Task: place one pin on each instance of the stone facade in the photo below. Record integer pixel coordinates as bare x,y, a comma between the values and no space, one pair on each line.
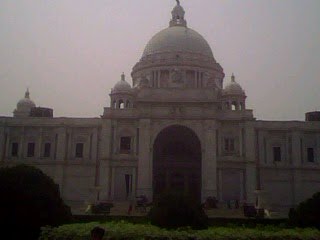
176,128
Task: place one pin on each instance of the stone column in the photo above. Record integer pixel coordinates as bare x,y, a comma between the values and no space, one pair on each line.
250,173
296,166
61,144
113,174
106,139
134,180
40,144
158,79
21,145
104,155
240,140
2,143
69,154
104,180
7,151
145,160
209,161
317,150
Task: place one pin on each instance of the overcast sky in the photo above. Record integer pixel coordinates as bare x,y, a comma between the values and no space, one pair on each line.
70,53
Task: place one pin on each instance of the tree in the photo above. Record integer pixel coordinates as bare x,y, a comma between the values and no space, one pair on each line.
29,200
173,210
307,214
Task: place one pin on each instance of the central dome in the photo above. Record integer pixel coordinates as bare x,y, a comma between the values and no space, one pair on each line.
178,39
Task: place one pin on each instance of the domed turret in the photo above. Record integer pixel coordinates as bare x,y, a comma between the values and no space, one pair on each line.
122,85
233,88
24,106
121,94
233,96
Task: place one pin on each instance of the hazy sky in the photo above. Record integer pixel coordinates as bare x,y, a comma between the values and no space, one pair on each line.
70,53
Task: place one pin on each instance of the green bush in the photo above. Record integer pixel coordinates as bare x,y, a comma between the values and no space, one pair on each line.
307,214
29,200
173,210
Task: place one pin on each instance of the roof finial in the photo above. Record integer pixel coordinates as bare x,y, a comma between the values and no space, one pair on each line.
178,16
27,94
233,78
123,77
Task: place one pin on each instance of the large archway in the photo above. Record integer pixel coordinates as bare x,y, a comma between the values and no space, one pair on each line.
177,162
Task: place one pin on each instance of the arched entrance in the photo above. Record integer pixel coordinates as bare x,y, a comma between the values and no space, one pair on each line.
177,162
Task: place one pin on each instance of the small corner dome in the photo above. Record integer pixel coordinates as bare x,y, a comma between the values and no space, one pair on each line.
122,86
26,102
233,88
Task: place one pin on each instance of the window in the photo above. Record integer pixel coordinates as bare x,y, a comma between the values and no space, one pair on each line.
234,106
310,154
30,150
125,144
47,150
229,145
121,104
276,154
79,150
14,149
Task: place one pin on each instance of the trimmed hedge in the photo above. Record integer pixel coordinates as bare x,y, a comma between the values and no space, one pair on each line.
123,230
213,222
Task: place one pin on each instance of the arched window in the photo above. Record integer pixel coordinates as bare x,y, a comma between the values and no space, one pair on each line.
234,106
121,104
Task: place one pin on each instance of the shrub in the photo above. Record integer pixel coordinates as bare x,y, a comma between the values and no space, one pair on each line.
29,199
307,214
173,210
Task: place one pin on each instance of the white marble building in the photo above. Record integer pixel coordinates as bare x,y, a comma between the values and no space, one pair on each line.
177,127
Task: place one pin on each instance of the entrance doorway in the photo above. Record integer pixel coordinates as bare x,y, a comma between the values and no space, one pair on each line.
177,162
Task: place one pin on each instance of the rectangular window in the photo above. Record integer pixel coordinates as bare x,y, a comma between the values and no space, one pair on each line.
79,150
125,144
310,155
14,149
276,154
30,152
229,145
47,150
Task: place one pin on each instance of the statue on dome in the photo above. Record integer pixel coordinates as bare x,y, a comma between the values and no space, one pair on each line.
178,2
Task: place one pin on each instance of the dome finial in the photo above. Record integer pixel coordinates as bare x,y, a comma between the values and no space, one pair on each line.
178,16
123,77
233,78
27,94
